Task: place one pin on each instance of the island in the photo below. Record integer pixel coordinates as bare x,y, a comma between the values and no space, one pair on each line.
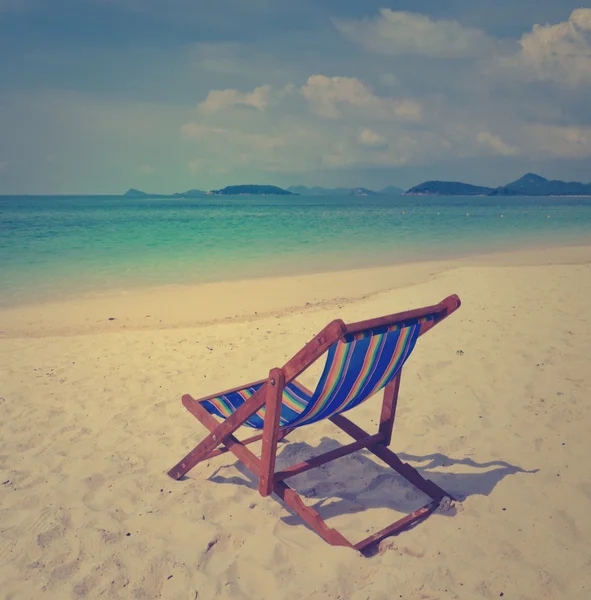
190,194
231,190
133,193
534,185
528,185
252,190
447,188
269,190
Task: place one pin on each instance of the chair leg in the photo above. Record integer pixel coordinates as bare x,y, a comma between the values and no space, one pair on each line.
389,408
410,473
275,387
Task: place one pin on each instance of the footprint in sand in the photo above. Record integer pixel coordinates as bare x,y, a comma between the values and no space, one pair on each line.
152,581
62,524
107,579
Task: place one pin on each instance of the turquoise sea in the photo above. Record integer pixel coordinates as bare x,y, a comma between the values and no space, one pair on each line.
57,246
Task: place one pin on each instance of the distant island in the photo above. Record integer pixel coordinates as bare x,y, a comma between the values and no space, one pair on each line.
447,188
252,190
230,190
528,185
269,190
133,193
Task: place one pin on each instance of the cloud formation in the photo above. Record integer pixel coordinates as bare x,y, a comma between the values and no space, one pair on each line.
329,95
559,53
399,33
325,122
368,137
495,143
330,122
220,99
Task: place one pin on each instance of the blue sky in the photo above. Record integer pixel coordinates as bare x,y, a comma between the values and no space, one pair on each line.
98,96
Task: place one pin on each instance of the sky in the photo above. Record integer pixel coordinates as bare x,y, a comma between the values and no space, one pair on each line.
98,96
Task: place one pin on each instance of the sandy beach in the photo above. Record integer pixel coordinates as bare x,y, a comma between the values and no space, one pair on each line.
494,407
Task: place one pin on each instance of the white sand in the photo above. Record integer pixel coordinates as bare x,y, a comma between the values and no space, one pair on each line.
91,420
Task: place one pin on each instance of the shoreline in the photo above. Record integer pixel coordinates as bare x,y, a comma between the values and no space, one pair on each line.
177,306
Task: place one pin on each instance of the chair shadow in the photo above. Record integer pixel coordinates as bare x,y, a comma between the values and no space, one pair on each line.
360,481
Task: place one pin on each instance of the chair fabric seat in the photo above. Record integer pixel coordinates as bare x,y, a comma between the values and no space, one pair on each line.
357,367
295,399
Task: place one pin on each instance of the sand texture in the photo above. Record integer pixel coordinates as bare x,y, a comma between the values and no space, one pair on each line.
494,406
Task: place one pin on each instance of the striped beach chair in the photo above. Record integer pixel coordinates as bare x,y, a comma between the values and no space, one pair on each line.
361,359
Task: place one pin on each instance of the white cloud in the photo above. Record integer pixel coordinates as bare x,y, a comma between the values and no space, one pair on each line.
560,52
400,32
495,143
409,110
221,99
368,137
147,169
328,95
304,128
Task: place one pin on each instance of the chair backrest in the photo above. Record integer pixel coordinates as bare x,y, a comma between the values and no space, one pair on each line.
358,366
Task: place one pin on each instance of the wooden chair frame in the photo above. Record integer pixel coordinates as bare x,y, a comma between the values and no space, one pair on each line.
270,395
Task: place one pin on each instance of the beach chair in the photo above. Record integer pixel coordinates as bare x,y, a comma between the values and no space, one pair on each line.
362,358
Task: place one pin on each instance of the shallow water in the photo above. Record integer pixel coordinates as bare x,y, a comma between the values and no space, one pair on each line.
55,246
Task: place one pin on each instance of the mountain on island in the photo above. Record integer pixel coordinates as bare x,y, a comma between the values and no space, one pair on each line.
258,190
231,190
447,188
528,185
190,194
133,193
534,185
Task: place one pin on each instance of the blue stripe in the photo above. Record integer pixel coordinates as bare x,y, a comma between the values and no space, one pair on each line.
357,348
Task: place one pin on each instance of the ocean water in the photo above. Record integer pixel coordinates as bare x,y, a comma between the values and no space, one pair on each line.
54,247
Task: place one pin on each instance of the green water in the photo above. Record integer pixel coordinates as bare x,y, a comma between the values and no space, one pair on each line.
53,247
